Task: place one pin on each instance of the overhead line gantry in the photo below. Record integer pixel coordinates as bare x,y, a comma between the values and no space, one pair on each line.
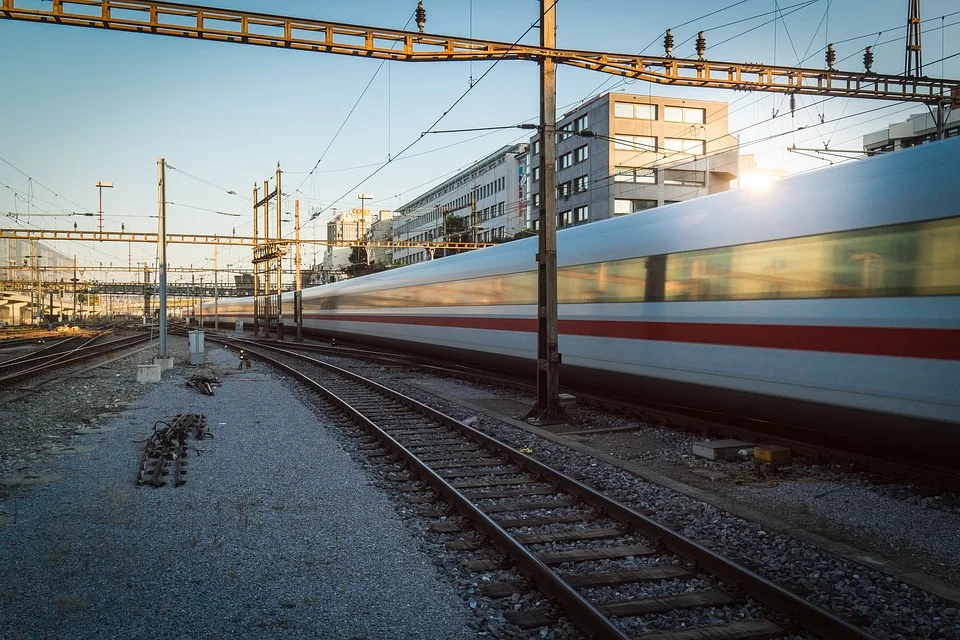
231,241
320,36
284,32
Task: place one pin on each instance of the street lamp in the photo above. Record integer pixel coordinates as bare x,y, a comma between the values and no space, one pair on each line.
101,186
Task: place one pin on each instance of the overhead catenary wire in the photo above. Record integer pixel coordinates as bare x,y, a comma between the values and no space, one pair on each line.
350,113
439,119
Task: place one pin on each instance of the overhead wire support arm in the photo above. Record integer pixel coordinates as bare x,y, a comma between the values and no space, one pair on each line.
235,241
268,30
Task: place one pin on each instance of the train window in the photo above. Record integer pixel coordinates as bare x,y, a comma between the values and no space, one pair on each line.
903,260
916,259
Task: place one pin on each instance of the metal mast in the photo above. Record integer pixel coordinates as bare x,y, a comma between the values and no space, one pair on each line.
913,57
548,349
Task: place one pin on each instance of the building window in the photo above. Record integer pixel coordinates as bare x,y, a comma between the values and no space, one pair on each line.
688,178
581,214
684,114
563,218
565,161
581,123
563,190
536,147
635,111
622,206
581,184
683,145
563,135
536,201
581,153
635,143
500,209
630,174
536,173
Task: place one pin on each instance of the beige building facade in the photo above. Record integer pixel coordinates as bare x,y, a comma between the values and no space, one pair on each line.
620,153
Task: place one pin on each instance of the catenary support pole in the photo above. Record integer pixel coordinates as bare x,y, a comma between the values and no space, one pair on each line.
216,292
256,268
266,265
548,351
75,288
279,201
162,250
298,296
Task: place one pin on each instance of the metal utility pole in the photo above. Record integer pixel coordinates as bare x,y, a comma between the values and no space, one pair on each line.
279,260
74,288
913,56
216,292
162,250
473,217
298,294
548,349
101,186
146,295
266,265
256,268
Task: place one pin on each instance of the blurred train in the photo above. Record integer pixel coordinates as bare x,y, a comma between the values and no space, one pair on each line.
830,300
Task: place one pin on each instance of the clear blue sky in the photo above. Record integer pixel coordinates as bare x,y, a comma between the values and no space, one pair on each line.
82,105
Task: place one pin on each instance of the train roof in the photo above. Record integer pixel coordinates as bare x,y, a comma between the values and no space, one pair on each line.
914,184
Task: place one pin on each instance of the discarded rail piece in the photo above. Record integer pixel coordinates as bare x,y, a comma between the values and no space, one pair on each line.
203,384
168,444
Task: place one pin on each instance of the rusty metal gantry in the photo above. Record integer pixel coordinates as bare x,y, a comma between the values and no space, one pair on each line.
230,241
268,259
302,34
284,32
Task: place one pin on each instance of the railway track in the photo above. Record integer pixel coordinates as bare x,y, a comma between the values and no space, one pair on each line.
62,354
559,533
10,343
710,423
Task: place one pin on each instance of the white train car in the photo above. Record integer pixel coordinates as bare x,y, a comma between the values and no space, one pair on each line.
831,300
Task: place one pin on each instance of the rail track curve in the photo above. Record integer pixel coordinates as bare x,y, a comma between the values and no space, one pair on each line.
474,473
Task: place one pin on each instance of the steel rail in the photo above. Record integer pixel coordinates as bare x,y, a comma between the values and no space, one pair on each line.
49,353
804,613
705,421
584,614
83,353
19,342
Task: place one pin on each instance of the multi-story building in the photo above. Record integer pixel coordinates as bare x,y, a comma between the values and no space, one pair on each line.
347,226
917,129
619,153
488,198
380,231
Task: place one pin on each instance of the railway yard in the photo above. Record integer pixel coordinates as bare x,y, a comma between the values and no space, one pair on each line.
291,516
599,361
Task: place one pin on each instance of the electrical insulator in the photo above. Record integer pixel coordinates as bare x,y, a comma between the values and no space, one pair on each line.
421,16
793,103
868,58
668,43
831,56
701,45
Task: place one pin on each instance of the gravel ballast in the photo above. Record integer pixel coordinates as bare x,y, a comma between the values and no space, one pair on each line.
887,607
276,533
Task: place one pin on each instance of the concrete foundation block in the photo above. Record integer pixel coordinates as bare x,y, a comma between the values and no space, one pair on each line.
721,449
165,363
148,373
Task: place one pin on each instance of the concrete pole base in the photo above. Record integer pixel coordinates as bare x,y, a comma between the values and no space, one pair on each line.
148,373
164,363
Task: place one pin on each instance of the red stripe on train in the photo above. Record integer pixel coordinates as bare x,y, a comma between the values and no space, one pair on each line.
936,344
